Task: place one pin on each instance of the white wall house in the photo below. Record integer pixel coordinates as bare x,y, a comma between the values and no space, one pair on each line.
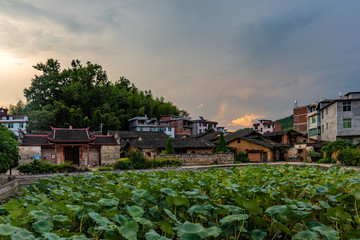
15,123
144,124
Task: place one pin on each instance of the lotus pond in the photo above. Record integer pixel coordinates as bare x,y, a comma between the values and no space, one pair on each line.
256,202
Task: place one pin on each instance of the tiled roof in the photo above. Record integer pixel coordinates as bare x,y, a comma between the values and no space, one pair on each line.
143,139
239,134
70,135
101,139
192,143
35,140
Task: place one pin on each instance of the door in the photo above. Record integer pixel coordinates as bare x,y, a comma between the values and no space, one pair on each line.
72,155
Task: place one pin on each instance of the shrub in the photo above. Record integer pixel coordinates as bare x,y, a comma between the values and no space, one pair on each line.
337,145
326,160
137,159
349,157
123,164
241,157
39,166
100,169
315,156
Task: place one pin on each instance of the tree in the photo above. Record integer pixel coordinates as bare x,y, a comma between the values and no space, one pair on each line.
209,129
9,153
337,145
18,109
221,145
169,147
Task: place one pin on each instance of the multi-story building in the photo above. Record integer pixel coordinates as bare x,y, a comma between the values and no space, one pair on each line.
266,126
15,123
299,120
340,119
314,119
143,124
182,125
201,125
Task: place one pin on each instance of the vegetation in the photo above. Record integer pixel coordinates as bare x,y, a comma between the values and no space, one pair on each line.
335,146
241,157
349,157
256,202
9,153
287,122
82,96
39,166
169,149
315,156
221,144
127,164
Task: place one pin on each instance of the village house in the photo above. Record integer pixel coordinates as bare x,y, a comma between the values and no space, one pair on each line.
182,125
202,125
15,123
265,126
144,124
299,118
77,145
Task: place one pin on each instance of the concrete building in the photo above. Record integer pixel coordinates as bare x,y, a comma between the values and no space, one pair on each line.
201,125
183,125
314,118
266,126
15,123
340,119
144,124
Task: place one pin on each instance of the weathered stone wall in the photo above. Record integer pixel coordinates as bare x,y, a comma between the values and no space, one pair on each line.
299,152
109,154
201,159
28,153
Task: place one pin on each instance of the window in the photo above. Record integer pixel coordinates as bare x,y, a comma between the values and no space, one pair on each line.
21,125
295,119
169,129
346,106
327,126
10,125
347,122
322,114
141,129
326,111
322,128
313,119
295,127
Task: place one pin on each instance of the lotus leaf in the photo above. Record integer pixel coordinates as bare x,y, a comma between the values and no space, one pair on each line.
120,218
213,231
60,218
171,215
258,234
129,230
78,237
198,209
139,193
42,226
39,215
278,209
328,232
108,202
191,231
252,206
232,218
169,192
52,236
135,211
7,230
308,235
23,235
99,219
12,205
166,227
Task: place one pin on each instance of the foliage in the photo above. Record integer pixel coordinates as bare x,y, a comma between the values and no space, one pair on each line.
326,160
101,169
256,202
241,157
39,166
18,109
287,122
349,157
83,96
169,149
315,156
337,145
209,129
126,164
137,159
221,144
9,153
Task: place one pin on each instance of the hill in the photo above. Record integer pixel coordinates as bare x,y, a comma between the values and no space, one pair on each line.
286,122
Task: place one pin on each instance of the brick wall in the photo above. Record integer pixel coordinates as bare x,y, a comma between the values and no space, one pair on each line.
243,145
201,159
254,157
109,154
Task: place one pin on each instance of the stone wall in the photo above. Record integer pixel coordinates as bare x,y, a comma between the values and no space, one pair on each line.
201,159
299,153
109,154
28,153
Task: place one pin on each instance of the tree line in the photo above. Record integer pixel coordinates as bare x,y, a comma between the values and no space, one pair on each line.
82,96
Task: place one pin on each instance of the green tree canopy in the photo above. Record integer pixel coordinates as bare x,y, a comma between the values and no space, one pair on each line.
82,96
9,153
221,145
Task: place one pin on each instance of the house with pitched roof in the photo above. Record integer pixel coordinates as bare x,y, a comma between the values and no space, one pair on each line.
77,145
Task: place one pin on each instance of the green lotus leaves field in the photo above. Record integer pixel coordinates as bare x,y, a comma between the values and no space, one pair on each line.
256,202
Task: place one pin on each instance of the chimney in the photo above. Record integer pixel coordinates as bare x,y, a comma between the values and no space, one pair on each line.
295,104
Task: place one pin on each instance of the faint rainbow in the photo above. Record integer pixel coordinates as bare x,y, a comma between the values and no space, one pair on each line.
222,108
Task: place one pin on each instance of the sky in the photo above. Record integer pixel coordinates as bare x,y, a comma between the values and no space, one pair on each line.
230,61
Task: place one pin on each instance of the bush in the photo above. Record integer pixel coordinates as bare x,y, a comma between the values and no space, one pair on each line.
327,160
337,145
241,157
39,166
349,157
137,159
123,164
127,164
315,156
101,169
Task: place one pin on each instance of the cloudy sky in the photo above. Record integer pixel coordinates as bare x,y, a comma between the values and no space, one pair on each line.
229,61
